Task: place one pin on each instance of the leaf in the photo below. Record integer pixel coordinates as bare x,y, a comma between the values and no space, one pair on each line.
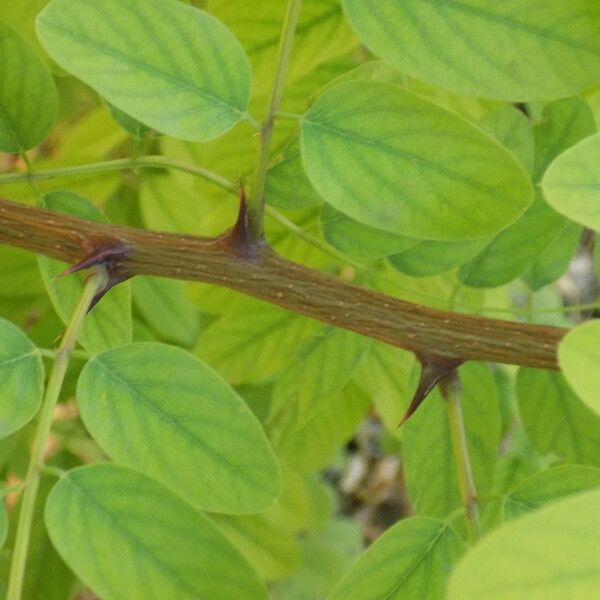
166,308
513,130
429,465
549,486
28,96
172,67
555,419
521,246
395,161
430,257
22,376
3,524
109,324
184,426
571,184
287,186
323,365
322,34
547,555
252,342
359,240
514,50
314,445
412,559
579,358
159,545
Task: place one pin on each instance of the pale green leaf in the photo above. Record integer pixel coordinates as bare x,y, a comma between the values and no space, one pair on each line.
513,50
571,184
359,240
164,305
579,360
3,524
395,161
412,559
184,426
109,324
172,67
28,96
429,464
550,554
160,547
22,377
322,366
555,419
549,486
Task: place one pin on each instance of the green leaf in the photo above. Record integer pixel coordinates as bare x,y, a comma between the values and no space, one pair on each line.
579,360
158,543
287,186
555,419
109,324
323,365
322,34
430,257
28,96
164,305
184,426
253,341
412,559
314,445
172,67
359,240
513,130
514,50
429,464
3,524
549,486
22,377
395,161
571,184
128,123
522,246
547,555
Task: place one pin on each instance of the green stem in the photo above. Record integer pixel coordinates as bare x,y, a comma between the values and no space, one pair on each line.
30,174
36,462
256,200
450,388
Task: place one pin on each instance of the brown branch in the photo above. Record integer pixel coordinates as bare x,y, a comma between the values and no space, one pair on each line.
258,271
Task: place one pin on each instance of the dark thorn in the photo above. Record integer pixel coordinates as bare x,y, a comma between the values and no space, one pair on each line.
239,238
433,368
109,257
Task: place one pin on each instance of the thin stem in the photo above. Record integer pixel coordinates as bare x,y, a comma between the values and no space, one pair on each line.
256,200
288,116
36,462
450,388
30,173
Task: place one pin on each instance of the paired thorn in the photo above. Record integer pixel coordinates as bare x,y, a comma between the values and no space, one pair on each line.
433,369
110,258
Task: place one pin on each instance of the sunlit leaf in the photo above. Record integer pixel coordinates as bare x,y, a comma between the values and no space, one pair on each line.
185,426
158,543
511,50
173,67
366,148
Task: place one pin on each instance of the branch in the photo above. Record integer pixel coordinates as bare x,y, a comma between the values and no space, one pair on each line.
234,261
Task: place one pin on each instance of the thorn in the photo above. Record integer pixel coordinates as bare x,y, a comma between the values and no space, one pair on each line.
239,238
108,257
433,368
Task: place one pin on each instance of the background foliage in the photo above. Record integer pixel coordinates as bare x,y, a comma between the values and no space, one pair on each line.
208,445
